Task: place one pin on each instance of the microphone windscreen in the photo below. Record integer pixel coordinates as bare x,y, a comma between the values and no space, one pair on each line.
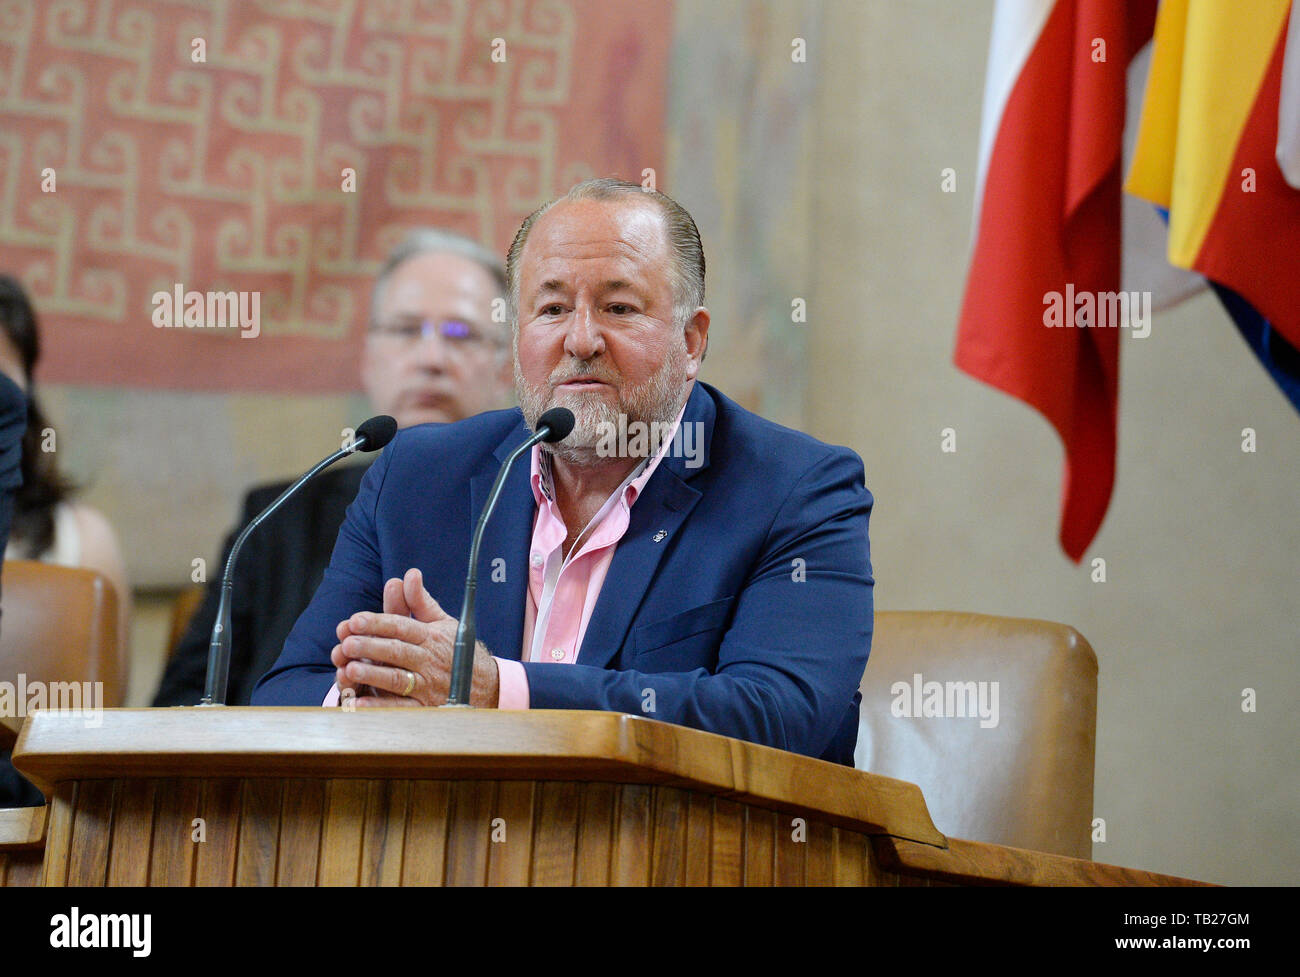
377,432
560,420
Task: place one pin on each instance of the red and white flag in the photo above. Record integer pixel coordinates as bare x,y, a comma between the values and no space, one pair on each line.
1048,224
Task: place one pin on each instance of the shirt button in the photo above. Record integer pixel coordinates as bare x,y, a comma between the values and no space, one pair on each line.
557,653
537,559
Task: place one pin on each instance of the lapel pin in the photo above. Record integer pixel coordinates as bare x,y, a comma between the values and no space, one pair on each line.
660,536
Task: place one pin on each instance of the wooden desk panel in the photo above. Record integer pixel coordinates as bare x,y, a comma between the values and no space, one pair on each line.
232,796
350,832
22,844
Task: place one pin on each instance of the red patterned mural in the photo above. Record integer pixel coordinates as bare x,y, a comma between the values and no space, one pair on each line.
150,145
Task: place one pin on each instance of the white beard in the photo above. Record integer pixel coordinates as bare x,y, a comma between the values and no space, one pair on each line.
659,400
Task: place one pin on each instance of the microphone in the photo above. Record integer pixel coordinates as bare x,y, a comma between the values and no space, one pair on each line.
552,426
371,436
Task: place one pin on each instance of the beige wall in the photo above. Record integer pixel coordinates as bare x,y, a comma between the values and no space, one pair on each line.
1202,542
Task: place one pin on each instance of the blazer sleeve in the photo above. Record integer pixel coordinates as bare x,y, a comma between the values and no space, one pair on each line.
353,581
789,664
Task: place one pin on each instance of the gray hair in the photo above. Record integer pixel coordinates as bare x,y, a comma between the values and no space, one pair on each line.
687,270
435,240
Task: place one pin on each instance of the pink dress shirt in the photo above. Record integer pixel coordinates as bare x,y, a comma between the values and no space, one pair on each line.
562,593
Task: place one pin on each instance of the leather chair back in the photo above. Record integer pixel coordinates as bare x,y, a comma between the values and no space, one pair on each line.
1018,775
59,624
184,606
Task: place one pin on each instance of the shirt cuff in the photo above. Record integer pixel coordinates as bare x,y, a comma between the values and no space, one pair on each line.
332,697
512,682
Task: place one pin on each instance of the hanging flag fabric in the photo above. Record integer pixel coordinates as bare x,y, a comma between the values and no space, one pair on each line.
1218,126
1048,231
1275,354
1145,263
1288,115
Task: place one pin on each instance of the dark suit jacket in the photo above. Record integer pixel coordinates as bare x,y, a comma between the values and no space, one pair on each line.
15,791
279,568
741,593
13,424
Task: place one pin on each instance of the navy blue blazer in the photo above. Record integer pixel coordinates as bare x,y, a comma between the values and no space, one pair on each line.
741,593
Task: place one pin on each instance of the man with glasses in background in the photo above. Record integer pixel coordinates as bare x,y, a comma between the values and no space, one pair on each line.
434,351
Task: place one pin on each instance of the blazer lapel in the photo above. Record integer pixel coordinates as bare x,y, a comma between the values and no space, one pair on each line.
500,603
656,517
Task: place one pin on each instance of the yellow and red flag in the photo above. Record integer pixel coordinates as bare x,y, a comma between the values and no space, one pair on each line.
1219,150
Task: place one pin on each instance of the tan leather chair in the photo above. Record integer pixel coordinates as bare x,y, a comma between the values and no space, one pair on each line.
1026,781
184,606
59,624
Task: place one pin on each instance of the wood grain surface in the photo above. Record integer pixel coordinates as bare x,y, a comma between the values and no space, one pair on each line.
322,797
472,832
10,727
462,744
977,863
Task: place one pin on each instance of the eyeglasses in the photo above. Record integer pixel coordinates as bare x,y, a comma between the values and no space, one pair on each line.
455,333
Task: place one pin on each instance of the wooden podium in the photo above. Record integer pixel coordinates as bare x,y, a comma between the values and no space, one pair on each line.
257,796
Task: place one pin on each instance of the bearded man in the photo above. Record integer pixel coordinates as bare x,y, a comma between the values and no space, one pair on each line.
728,587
